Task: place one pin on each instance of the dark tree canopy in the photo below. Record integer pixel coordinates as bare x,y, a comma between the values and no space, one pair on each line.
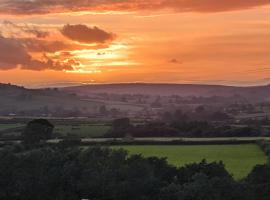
106,174
37,130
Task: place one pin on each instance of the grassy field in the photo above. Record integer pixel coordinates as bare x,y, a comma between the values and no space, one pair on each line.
9,126
238,159
84,131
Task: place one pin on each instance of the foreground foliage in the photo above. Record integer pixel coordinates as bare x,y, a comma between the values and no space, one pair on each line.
106,174
238,159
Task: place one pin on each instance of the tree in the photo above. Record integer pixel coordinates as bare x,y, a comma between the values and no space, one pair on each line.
37,130
120,128
258,181
122,123
204,187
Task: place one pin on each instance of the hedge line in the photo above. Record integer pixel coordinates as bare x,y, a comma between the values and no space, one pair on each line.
174,142
265,146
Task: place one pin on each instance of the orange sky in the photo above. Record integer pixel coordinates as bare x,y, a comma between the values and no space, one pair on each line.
179,41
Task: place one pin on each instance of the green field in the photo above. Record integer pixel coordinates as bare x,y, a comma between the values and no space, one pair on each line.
9,126
84,130
238,159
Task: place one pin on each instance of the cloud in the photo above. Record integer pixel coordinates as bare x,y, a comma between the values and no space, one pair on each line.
49,64
13,54
25,29
174,61
85,34
39,48
214,5
18,56
27,7
36,45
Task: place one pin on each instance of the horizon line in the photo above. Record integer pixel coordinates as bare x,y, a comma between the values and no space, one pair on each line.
67,85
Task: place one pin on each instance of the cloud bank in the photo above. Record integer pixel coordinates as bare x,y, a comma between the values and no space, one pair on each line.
36,49
28,7
13,54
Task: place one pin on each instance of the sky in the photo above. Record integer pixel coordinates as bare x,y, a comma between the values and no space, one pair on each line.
47,43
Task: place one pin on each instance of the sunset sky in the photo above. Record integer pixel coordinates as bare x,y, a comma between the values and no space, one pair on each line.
70,42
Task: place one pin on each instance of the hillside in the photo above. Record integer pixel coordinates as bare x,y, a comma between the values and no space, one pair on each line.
119,99
14,99
253,93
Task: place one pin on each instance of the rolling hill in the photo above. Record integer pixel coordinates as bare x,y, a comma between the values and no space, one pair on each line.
256,93
14,99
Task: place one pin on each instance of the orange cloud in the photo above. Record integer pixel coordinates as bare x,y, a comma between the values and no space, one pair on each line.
26,29
85,34
20,57
36,49
60,6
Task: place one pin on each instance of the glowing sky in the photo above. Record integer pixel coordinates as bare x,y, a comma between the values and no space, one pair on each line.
66,42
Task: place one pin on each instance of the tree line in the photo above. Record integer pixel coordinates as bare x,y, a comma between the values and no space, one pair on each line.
180,128
35,171
99,173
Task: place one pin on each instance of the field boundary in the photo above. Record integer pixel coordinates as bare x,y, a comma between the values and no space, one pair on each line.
144,141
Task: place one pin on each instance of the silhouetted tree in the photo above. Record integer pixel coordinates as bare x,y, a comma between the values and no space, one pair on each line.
37,130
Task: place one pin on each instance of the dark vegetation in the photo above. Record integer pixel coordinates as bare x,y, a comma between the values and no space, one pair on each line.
265,145
129,129
105,174
34,170
36,131
181,128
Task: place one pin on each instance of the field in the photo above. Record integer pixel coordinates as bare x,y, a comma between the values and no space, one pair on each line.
82,130
238,159
9,126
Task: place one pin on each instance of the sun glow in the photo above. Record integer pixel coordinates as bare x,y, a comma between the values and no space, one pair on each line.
82,71
96,61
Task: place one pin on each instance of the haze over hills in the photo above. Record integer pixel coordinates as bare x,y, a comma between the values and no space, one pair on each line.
133,98
254,92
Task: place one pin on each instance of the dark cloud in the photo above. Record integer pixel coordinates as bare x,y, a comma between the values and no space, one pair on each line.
85,34
174,61
59,6
11,60
49,64
13,54
35,45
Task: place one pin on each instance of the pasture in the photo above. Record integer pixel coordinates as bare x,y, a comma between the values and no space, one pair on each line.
4,127
238,159
82,130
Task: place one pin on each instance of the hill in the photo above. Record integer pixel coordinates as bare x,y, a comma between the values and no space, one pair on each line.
256,93
14,99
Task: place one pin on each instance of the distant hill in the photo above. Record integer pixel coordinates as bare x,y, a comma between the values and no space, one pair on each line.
84,101
14,99
256,93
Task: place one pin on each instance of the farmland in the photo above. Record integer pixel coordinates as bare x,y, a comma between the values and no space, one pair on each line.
238,159
9,126
82,130
11,130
